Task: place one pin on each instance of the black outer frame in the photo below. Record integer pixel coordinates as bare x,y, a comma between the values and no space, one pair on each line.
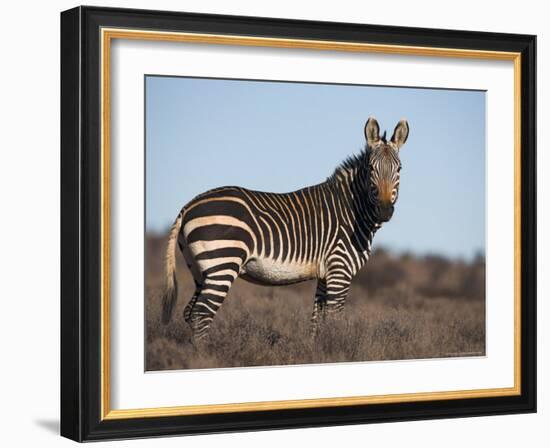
80,223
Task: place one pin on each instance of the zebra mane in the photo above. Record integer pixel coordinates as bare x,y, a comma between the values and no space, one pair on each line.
350,165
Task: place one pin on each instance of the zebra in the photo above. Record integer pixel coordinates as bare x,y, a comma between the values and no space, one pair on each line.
321,232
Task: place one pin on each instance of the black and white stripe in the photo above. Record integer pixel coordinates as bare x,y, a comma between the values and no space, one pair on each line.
321,232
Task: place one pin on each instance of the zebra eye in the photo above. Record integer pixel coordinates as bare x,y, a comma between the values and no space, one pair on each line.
374,191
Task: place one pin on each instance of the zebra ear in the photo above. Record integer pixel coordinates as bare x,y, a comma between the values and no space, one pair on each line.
400,133
372,131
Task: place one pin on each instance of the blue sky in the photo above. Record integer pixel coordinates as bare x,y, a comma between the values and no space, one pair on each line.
278,136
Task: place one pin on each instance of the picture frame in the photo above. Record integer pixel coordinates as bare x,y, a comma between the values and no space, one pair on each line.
86,37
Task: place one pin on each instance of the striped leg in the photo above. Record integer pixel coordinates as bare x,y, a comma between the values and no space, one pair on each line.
191,304
207,303
319,307
338,285
197,277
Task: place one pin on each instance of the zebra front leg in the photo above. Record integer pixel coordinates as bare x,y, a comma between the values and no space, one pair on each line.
319,307
338,285
207,303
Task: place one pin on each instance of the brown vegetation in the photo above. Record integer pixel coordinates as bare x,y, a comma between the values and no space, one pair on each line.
399,307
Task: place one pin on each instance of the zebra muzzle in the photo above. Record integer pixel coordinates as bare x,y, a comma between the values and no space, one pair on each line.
385,212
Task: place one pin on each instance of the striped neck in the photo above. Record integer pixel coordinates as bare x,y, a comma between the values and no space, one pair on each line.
351,183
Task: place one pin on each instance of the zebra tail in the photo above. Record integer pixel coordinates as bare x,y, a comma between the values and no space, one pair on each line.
170,295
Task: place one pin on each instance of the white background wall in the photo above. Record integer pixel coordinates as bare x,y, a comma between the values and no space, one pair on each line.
29,236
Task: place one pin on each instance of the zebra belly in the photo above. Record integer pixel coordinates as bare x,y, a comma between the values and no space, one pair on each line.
272,272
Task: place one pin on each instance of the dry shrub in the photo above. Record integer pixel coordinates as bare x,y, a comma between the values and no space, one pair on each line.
399,307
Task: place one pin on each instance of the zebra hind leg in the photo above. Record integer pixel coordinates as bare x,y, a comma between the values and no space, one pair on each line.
205,305
189,307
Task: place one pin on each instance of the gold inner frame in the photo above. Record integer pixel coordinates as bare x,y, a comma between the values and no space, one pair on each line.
107,35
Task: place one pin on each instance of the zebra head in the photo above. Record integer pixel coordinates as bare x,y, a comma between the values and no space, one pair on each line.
384,166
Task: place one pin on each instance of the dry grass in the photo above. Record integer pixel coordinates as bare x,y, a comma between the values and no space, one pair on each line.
398,308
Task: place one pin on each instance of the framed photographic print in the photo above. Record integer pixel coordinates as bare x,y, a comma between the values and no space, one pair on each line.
273,223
